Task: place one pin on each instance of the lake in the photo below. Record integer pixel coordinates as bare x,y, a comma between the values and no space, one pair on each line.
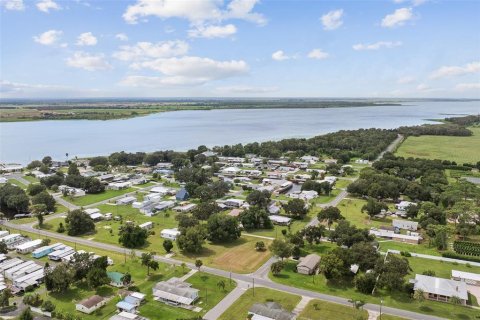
22,142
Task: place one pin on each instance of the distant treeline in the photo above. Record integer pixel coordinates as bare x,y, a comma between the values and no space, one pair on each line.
465,121
444,129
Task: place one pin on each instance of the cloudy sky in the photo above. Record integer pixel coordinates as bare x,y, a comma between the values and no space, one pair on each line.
241,48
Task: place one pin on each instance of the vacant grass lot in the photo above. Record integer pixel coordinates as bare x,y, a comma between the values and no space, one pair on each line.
317,309
17,183
401,300
239,310
459,149
94,198
351,210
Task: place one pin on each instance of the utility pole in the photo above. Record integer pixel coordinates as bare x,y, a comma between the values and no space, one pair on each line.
125,255
253,286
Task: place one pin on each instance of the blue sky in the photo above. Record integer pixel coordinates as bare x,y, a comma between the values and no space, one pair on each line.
239,48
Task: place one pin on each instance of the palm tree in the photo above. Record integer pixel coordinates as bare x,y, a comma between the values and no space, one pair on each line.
455,301
221,285
419,295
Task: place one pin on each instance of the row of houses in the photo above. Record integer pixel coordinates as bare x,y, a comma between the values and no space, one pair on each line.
22,274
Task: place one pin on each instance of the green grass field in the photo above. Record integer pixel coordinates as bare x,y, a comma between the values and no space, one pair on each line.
94,198
17,183
459,149
31,179
317,309
239,310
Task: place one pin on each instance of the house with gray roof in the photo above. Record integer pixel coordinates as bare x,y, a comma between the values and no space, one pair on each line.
405,225
308,264
175,292
269,311
440,289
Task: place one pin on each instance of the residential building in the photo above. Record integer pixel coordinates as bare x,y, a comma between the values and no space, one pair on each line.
308,264
115,279
170,234
467,277
147,225
280,220
269,311
440,289
175,292
185,208
405,225
29,246
127,316
182,195
91,304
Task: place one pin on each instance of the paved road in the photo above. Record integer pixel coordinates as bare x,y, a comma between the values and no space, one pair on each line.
18,176
257,277
391,147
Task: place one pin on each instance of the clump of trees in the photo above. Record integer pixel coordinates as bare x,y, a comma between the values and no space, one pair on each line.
13,199
78,223
132,236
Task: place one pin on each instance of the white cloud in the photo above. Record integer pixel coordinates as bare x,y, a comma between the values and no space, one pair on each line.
48,38
196,11
148,50
245,89
398,18
187,71
212,31
318,54
467,86
11,89
406,80
121,36
450,71
87,61
423,87
332,20
47,5
86,39
15,5
280,56
376,45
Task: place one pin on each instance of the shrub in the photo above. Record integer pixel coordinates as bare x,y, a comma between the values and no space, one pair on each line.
454,255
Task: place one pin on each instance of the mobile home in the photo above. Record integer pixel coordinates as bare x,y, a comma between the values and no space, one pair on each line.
29,246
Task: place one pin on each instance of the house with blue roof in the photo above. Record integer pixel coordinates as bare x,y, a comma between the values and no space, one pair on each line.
182,195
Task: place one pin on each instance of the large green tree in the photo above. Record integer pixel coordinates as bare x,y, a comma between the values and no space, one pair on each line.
222,228
78,223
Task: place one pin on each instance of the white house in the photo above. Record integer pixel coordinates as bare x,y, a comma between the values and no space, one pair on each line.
185,208
405,225
440,289
75,192
175,291
170,234
147,225
91,304
467,277
280,220
29,246
403,205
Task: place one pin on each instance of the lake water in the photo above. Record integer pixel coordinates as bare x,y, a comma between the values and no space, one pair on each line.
22,142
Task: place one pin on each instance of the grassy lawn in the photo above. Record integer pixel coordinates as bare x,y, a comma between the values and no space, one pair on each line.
31,179
326,199
351,209
276,232
459,149
390,317
17,183
94,198
60,208
422,248
317,309
238,256
401,300
239,310
342,183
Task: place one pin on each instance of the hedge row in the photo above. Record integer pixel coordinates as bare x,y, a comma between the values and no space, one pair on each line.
454,255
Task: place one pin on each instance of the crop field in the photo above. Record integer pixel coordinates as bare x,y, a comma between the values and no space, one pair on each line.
459,149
